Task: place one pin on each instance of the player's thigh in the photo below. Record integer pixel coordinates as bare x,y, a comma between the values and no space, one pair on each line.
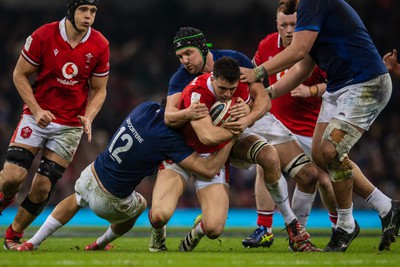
288,151
167,189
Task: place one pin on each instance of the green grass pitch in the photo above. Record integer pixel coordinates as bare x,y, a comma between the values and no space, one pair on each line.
66,248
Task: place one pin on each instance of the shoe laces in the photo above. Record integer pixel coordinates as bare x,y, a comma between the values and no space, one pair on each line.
296,232
259,232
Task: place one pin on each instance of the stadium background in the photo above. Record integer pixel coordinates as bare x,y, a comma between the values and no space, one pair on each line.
142,60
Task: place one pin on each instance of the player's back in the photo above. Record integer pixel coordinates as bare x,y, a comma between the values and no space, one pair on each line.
138,146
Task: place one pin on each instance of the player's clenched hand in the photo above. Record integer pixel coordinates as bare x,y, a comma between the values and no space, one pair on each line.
301,91
43,118
247,75
236,126
239,109
87,126
196,111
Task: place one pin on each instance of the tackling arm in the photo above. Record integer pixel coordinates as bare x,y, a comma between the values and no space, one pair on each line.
293,78
299,48
209,134
174,117
207,167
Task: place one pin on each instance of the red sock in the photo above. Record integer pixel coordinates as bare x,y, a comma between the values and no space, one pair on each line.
333,218
264,218
11,234
8,199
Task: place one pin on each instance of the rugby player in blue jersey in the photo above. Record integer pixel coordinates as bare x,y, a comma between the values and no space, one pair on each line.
108,185
330,34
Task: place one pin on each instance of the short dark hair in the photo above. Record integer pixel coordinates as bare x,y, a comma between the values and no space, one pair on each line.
226,68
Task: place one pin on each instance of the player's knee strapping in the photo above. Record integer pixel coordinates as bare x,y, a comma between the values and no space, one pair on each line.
255,149
53,171
34,208
296,164
20,156
343,136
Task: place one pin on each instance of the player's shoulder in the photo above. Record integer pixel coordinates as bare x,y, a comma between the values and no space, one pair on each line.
227,53
47,30
98,37
270,39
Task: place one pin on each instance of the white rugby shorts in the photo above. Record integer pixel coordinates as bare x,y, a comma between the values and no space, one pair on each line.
61,139
111,208
357,104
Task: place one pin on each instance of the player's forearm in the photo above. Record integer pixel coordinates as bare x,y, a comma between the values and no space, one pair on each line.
214,163
175,118
26,93
95,103
214,136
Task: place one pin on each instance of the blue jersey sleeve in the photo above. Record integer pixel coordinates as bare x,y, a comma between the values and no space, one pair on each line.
242,59
179,80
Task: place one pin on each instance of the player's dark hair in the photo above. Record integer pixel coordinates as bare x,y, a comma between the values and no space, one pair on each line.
227,69
191,37
72,5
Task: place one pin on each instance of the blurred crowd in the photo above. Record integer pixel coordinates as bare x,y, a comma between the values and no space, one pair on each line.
142,61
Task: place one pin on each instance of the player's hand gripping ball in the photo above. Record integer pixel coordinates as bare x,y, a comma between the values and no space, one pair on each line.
219,111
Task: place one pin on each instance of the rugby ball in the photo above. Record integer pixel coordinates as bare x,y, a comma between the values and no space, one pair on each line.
219,111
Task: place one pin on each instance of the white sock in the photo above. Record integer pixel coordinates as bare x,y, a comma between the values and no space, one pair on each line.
380,202
346,219
107,238
301,205
279,193
48,228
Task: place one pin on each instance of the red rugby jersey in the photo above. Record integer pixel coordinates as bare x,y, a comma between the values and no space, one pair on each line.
200,89
62,84
299,115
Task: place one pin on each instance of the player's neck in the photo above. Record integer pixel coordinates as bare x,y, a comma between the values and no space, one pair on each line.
209,63
74,36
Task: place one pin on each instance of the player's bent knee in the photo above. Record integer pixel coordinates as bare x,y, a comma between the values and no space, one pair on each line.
214,232
343,136
158,218
340,170
51,170
268,157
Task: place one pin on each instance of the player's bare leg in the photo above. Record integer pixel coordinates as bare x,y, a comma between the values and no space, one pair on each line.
214,202
168,188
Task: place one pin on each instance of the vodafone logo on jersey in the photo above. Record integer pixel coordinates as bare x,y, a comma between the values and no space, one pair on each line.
69,70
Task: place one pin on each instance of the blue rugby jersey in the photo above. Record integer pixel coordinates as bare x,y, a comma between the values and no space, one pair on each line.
138,146
343,48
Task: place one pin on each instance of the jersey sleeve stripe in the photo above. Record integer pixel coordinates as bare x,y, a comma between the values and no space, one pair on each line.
103,74
28,59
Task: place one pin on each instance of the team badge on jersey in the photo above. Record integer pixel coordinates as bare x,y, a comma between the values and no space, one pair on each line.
26,132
